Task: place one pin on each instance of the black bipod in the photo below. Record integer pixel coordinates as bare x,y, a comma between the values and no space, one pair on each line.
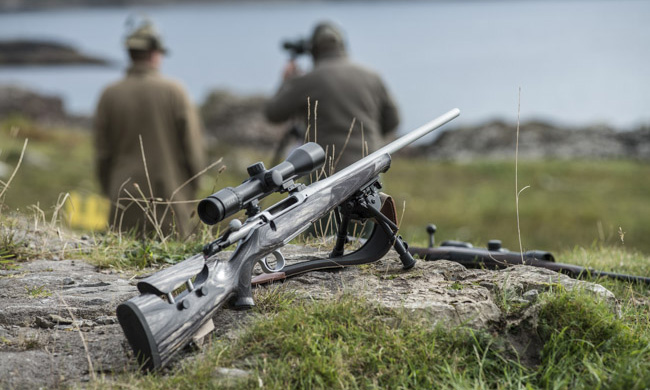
366,204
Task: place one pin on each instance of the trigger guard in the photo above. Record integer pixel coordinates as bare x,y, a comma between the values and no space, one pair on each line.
279,263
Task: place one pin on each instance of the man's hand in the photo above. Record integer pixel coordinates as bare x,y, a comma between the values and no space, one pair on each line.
291,70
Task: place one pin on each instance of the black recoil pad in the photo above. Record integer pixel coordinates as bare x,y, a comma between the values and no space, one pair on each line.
261,182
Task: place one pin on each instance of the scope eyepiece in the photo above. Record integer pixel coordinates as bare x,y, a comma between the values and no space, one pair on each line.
262,182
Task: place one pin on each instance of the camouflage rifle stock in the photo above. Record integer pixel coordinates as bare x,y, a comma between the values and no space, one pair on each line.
160,321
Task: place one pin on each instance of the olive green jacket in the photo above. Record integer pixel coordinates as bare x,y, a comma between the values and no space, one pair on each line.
339,92
146,106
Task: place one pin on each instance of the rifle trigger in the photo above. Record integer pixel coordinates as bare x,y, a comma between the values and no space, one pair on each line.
279,263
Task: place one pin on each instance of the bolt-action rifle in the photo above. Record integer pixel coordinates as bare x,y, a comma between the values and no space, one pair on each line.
497,257
163,319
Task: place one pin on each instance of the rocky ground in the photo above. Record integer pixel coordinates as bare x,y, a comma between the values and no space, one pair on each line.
239,120
58,324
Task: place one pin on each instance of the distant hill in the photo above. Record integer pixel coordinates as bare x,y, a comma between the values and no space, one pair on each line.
27,5
37,52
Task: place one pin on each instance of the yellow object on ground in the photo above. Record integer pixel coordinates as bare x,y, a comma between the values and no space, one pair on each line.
87,211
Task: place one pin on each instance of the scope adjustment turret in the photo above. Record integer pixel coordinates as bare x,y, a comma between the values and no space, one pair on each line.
255,169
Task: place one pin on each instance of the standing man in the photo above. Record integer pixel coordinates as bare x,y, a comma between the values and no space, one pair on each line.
351,107
147,119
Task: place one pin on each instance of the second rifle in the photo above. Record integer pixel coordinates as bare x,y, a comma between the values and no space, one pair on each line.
497,257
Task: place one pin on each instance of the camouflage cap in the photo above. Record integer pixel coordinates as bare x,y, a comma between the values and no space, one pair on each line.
145,37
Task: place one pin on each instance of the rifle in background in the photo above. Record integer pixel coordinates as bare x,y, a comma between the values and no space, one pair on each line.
497,257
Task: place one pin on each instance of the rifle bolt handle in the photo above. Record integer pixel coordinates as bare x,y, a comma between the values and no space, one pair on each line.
234,224
431,230
494,245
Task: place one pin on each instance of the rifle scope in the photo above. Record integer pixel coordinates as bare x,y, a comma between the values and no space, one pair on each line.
261,183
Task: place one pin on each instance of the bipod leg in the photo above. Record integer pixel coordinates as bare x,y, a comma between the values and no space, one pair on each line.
341,235
401,247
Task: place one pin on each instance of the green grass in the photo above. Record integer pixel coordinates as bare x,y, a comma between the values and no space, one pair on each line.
347,343
56,161
38,292
588,346
124,252
568,204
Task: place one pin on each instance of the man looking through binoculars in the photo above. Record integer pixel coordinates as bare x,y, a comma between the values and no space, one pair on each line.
354,108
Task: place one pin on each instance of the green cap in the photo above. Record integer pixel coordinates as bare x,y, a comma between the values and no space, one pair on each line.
145,37
327,39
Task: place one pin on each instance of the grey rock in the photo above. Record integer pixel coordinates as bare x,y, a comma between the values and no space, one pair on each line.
232,372
239,120
44,323
57,319
106,320
229,377
530,295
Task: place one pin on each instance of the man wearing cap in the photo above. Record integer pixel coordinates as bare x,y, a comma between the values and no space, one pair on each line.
145,117
351,108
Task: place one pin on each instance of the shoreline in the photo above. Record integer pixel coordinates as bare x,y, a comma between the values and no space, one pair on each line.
41,52
238,120
19,6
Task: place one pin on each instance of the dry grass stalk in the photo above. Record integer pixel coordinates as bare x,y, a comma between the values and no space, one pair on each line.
149,205
307,136
13,174
57,208
154,215
347,139
91,369
517,190
316,121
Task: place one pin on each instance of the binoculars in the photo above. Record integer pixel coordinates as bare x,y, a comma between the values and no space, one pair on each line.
297,47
